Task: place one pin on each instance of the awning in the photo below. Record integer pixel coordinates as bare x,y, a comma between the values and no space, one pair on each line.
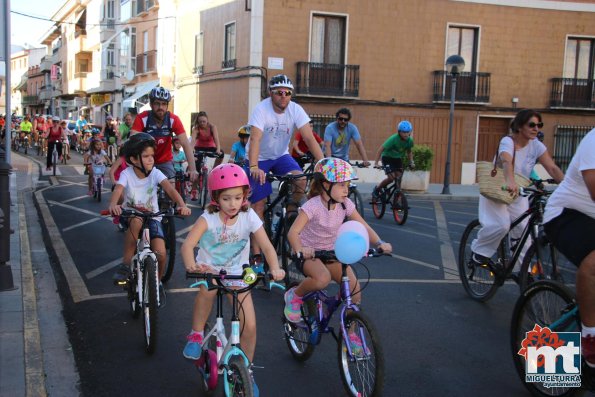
141,89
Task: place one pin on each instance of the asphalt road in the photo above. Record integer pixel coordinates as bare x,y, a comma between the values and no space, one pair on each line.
436,340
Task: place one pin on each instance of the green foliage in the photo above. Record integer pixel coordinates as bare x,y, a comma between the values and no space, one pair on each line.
422,156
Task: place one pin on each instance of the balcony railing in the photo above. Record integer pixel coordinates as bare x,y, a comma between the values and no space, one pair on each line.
472,87
327,79
30,100
573,93
228,64
145,62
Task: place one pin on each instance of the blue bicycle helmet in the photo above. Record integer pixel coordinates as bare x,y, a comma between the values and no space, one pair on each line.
404,126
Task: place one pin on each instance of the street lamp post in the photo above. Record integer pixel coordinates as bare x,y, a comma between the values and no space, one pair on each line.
454,65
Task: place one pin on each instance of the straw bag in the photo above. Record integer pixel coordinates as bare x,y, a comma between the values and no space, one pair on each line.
491,180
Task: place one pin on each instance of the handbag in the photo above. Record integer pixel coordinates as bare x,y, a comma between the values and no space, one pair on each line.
491,180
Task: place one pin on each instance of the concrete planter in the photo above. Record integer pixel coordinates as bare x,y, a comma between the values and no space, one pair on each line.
416,181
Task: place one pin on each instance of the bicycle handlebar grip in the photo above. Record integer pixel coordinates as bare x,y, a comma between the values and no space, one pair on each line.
104,212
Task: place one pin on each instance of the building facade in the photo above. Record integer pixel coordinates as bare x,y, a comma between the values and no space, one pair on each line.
388,64
20,62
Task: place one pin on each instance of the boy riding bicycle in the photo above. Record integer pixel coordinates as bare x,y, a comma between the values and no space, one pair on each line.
393,150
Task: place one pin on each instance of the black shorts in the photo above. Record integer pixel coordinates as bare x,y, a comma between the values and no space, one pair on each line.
571,232
392,164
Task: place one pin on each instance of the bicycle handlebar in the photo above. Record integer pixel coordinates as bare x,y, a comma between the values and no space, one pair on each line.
330,254
358,164
248,276
130,212
287,177
214,155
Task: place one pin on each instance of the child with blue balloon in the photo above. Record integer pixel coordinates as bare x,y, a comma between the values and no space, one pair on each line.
319,226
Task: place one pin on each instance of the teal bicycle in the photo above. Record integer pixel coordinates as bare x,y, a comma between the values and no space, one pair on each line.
223,355
546,304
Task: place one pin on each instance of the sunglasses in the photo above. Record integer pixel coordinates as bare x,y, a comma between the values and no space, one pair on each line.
533,125
282,93
345,119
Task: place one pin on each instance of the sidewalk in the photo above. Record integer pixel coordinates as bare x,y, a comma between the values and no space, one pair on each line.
35,355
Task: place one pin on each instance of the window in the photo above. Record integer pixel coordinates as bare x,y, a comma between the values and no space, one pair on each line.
198,53
463,41
580,58
125,10
110,14
229,58
328,39
110,55
83,65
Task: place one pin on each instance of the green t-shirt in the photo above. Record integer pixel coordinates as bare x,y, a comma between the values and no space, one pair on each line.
397,148
26,126
124,131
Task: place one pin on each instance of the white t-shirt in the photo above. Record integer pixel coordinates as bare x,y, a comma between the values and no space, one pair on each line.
276,128
97,158
141,193
525,158
572,192
227,246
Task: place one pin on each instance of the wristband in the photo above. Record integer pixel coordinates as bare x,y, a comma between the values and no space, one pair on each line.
380,242
253,166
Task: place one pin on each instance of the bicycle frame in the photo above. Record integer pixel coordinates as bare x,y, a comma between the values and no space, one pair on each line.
143,249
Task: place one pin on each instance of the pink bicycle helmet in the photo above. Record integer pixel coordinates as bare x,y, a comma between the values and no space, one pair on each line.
226,176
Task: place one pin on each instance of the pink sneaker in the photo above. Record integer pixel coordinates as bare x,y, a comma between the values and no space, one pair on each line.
293,305
357,347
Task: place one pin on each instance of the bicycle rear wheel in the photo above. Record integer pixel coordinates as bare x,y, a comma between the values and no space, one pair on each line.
379,205
134,304
355,196
363,371
478,281
400,208
536,269
238,379
169,229
150,304
542,303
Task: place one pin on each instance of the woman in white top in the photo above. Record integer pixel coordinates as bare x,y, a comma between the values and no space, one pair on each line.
495,217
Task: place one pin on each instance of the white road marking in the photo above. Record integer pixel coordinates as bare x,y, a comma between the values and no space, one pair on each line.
403,229
462,212
77,286
420,217
449,262
80,224
71,207
102,269
415,261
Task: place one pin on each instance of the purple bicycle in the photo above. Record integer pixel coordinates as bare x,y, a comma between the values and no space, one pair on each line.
361,360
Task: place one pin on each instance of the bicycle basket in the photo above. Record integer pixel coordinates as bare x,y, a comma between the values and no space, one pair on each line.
98,169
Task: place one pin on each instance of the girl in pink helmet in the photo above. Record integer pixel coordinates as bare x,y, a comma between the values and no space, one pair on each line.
222,234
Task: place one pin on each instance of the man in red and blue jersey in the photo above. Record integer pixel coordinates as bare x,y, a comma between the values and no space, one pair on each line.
162,125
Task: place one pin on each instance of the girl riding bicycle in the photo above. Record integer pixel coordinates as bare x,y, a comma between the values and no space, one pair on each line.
95,156
179,156
316,227
138,183
222,234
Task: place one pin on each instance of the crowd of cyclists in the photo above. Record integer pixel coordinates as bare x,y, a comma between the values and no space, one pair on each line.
155,145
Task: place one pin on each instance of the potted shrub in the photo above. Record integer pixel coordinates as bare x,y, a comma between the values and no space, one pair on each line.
418,180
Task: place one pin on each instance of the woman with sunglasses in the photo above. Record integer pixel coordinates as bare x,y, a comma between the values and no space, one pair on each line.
518,152
55,135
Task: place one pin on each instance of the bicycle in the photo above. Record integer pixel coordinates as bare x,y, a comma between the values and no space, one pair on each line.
112,150
98,180
540,261
223,354
169,231
65,150
354,194
548,304
143,282
362,372
203,175
277,219
182,184
393,196
54,159
42,146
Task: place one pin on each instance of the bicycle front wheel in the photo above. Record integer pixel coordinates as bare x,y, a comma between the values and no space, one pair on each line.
542,303
400,208
150,303
169,229
238,379
301,338
362,372
285,247
55,162
539,267
134,304
99,182
478,281
355,196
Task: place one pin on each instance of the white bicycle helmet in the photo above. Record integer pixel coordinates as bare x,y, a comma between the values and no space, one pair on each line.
280,80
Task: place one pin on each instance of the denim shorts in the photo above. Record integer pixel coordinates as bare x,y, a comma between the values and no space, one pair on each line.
280,166
155,228
167,168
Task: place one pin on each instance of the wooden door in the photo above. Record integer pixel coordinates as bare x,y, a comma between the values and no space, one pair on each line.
491,131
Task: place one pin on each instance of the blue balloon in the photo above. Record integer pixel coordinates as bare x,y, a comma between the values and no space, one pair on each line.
350,247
